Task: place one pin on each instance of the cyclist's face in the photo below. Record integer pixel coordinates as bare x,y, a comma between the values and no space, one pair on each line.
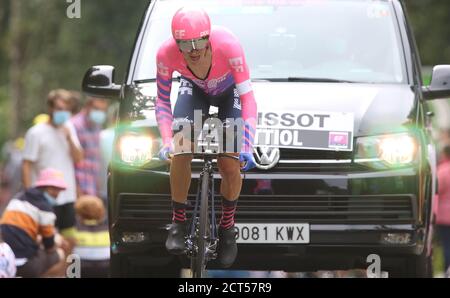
194,51
195,56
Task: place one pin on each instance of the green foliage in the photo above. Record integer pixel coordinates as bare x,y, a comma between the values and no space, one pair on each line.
430,20
4,110
58,50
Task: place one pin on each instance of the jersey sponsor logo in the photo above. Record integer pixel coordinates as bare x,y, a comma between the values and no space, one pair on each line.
204,33
213,86
179,34
162,69
200,83
180,121
185,83
212,83
237,103
185,87
237,64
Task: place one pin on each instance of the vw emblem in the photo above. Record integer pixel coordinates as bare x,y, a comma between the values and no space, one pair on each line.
266,157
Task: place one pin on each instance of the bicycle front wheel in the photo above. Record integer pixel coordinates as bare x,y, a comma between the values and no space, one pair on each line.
199,266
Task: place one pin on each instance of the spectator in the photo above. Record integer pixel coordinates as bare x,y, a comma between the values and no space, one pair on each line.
443,205
263,187
92,237
88,125
7,260
28,216
106,151
444,140
12,167
74,102
41,118
54,144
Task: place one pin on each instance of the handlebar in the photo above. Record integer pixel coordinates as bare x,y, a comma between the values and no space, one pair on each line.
205,156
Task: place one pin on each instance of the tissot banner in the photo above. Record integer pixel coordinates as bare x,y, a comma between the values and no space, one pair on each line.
305,129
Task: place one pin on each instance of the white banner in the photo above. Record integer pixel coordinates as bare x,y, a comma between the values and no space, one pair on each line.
305,129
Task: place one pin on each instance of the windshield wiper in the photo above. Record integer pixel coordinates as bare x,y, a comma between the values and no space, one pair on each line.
302,79
288,79
323,80
154,80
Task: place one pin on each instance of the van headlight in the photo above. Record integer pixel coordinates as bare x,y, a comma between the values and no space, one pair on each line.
386,150
136,149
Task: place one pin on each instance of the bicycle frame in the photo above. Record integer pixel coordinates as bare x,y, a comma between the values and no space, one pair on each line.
193,237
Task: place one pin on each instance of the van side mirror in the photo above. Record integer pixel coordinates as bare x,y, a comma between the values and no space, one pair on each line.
440,83
99,82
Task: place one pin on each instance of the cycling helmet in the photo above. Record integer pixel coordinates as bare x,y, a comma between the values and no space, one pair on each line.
189,24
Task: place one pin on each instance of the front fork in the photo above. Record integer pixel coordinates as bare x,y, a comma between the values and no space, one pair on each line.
192,249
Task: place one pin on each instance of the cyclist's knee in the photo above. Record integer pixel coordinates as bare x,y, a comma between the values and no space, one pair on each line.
182,159
228,167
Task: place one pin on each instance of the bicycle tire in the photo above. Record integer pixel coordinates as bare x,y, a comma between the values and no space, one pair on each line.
199,268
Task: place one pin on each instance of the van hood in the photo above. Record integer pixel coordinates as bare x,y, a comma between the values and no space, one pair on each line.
377,108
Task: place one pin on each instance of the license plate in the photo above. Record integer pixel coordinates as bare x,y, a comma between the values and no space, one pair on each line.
272,233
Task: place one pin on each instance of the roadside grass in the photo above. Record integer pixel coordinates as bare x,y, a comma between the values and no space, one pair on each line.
438,259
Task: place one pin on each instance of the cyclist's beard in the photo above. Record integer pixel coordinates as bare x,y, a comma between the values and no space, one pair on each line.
195,58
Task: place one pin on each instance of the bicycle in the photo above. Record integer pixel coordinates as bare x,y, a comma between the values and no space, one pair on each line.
202,238
201,241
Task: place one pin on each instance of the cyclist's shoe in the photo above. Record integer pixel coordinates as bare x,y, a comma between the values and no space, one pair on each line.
227,250
175,242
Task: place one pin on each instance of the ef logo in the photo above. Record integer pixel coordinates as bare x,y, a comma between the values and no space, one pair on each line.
74,9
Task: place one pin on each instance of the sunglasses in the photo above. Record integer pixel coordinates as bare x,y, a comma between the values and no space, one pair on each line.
193,44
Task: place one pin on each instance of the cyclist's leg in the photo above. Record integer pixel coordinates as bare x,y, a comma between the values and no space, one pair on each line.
229,168
190,98
230,187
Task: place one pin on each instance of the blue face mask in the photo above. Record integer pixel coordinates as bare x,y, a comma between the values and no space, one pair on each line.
50,199
60,117
97,117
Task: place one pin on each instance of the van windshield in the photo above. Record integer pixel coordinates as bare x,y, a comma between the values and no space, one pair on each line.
347,40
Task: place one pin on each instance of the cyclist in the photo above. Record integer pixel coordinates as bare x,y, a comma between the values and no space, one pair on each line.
213,72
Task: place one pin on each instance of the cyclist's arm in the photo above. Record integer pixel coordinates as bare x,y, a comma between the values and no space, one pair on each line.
241,75
163,108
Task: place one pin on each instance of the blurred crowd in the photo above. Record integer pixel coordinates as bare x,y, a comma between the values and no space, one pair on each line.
53,192
441,204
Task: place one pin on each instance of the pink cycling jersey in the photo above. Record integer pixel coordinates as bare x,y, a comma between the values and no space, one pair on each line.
228,68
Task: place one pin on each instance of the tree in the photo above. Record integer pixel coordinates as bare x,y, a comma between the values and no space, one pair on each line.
431,25
42,49
16,54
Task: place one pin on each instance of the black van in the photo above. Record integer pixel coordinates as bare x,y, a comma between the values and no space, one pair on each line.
353,171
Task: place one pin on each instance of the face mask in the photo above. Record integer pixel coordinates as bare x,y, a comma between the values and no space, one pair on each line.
50,199
60,117
97,117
